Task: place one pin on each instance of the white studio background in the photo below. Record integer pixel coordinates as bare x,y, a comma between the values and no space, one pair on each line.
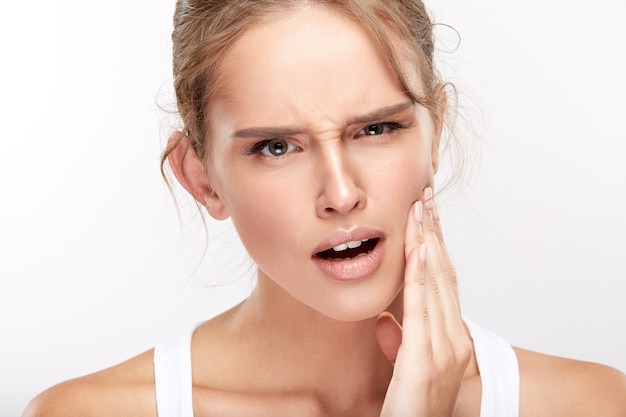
96,267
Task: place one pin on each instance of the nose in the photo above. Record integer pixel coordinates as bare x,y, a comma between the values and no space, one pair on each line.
340,191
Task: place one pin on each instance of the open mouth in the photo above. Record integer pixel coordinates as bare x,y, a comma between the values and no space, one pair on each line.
349,250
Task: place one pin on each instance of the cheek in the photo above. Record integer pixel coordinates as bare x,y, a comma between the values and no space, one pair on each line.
401,180
267,217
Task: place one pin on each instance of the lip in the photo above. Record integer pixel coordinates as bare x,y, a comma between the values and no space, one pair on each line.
343,236
350,269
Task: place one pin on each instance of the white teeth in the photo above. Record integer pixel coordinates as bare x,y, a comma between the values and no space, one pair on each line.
352,244
340,248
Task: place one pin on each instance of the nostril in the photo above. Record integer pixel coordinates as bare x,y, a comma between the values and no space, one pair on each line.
329,210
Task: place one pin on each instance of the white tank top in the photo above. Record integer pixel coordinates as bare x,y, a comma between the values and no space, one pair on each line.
497,363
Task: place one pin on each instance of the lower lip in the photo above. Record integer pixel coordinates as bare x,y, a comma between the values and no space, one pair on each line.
353,269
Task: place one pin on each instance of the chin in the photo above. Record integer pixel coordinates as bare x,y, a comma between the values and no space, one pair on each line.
360,308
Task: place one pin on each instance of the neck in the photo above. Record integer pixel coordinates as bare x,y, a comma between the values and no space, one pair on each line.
340,361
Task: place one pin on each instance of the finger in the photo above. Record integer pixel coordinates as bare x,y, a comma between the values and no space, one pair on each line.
415,321
413,234
389,335
434,303
414,327
432,212
450,338
433,236
441,266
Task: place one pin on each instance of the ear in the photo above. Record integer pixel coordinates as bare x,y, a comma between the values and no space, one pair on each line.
192,175
438,118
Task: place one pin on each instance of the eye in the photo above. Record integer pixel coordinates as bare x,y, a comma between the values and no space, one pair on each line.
377,129
273,147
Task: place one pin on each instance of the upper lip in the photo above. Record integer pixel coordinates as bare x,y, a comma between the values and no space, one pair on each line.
342,236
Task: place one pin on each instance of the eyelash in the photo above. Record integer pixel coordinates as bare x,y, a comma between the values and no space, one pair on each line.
391,127
258,147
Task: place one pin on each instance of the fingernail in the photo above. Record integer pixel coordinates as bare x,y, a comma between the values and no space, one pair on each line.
435,210
417,211
428,198
423,252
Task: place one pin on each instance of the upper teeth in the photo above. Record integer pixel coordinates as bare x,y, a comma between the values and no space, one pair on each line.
349,245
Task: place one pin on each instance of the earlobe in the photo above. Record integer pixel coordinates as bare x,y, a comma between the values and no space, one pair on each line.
192,175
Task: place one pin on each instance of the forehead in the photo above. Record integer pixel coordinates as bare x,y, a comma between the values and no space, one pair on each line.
312,62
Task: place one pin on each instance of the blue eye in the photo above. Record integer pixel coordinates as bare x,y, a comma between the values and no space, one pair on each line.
273,147
377,129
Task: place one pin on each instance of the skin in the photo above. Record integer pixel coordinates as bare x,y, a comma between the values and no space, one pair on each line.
304,344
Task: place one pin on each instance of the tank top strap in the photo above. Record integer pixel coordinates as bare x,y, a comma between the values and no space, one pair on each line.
499,373
172,375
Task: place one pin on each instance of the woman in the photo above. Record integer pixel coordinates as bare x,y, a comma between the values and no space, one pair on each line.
315,126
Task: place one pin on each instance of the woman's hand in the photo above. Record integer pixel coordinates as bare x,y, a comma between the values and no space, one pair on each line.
432,349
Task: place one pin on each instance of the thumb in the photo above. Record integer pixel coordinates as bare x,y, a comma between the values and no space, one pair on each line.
389,335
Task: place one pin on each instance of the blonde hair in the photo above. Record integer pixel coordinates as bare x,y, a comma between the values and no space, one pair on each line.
205,29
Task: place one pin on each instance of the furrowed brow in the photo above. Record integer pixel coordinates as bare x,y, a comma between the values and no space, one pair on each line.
383,113
267,132
284,131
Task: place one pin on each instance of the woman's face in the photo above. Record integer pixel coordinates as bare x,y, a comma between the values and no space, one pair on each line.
315,146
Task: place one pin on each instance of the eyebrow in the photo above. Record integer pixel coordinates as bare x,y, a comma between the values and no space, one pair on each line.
283,131
381,114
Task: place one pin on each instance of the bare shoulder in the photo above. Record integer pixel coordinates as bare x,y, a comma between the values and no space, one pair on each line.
563,387
126,389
